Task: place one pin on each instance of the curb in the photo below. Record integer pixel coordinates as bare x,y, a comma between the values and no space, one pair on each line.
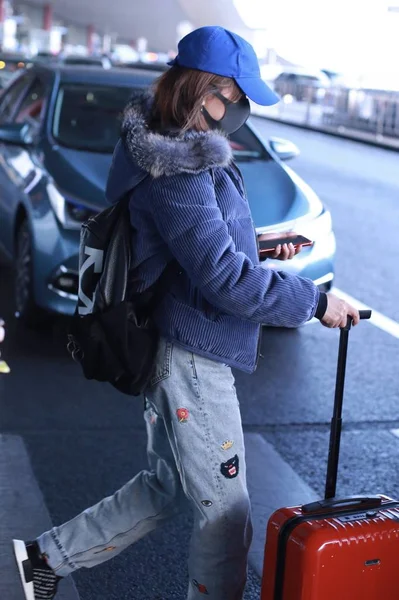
330,131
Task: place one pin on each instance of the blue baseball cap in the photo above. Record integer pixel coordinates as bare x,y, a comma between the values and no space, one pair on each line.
221,52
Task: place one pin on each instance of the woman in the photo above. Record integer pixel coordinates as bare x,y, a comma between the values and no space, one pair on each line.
188,203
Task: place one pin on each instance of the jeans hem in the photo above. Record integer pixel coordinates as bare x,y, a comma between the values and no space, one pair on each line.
58,560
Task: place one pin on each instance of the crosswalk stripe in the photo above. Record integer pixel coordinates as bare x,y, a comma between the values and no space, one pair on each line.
377,319
272,484
24,515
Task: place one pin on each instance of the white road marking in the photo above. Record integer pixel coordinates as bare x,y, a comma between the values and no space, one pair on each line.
23,515
377,319
272,484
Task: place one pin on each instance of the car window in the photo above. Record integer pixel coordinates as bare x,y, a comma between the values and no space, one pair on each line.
87,117
31,107
286,77
84,61
11,97
307,79
246,145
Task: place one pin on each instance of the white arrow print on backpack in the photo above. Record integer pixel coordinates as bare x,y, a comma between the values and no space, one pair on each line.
95,257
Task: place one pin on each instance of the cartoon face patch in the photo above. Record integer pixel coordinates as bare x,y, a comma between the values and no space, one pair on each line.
200,587
230,468
182,415
227,445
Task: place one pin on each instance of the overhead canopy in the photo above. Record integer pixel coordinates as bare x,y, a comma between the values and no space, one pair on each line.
155,20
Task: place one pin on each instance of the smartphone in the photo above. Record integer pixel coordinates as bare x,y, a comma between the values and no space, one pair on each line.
271,245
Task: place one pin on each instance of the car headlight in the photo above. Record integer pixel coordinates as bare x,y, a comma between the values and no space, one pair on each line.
69,211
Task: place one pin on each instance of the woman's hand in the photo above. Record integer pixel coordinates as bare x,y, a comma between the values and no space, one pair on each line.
282,251
337,312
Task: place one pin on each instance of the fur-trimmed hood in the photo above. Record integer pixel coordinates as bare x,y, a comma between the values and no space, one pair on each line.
189,152
140,152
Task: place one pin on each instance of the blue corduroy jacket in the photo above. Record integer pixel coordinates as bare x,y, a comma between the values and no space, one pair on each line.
188,202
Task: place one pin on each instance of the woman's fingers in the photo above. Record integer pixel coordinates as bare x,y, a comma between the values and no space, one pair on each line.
276,253
285,252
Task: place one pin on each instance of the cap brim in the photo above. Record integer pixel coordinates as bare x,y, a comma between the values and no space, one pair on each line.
257,90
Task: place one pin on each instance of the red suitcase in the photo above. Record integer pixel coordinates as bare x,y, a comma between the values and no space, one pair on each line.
334,549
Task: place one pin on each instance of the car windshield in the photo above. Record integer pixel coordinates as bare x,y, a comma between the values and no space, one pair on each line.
82,61
88,118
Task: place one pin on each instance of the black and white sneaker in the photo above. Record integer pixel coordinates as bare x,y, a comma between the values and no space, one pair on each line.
38,579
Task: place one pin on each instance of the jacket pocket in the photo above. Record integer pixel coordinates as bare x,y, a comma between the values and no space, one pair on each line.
163,362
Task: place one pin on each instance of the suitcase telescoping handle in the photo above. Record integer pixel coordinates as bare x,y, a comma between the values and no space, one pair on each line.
336,421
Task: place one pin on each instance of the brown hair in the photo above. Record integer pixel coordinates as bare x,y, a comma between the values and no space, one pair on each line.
179,94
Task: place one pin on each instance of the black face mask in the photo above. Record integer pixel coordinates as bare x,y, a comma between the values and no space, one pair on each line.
235,115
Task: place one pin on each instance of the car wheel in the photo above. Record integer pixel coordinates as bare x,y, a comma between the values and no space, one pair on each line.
25,307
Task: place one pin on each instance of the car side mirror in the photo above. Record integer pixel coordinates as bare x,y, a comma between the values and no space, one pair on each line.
16,133
284,149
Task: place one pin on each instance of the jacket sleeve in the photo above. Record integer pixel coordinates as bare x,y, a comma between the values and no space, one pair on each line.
188,218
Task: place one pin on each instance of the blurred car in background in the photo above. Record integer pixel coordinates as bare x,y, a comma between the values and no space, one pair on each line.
89,61
333,76
302,85
155,66
58,128
9,65
45,56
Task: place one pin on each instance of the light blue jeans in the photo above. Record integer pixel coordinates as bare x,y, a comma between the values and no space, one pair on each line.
196,454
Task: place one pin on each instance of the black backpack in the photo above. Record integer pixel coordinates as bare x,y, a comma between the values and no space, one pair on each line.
112,334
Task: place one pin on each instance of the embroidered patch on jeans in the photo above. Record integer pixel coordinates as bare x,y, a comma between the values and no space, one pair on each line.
182,415
230,468
206,503
200,587
227,445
